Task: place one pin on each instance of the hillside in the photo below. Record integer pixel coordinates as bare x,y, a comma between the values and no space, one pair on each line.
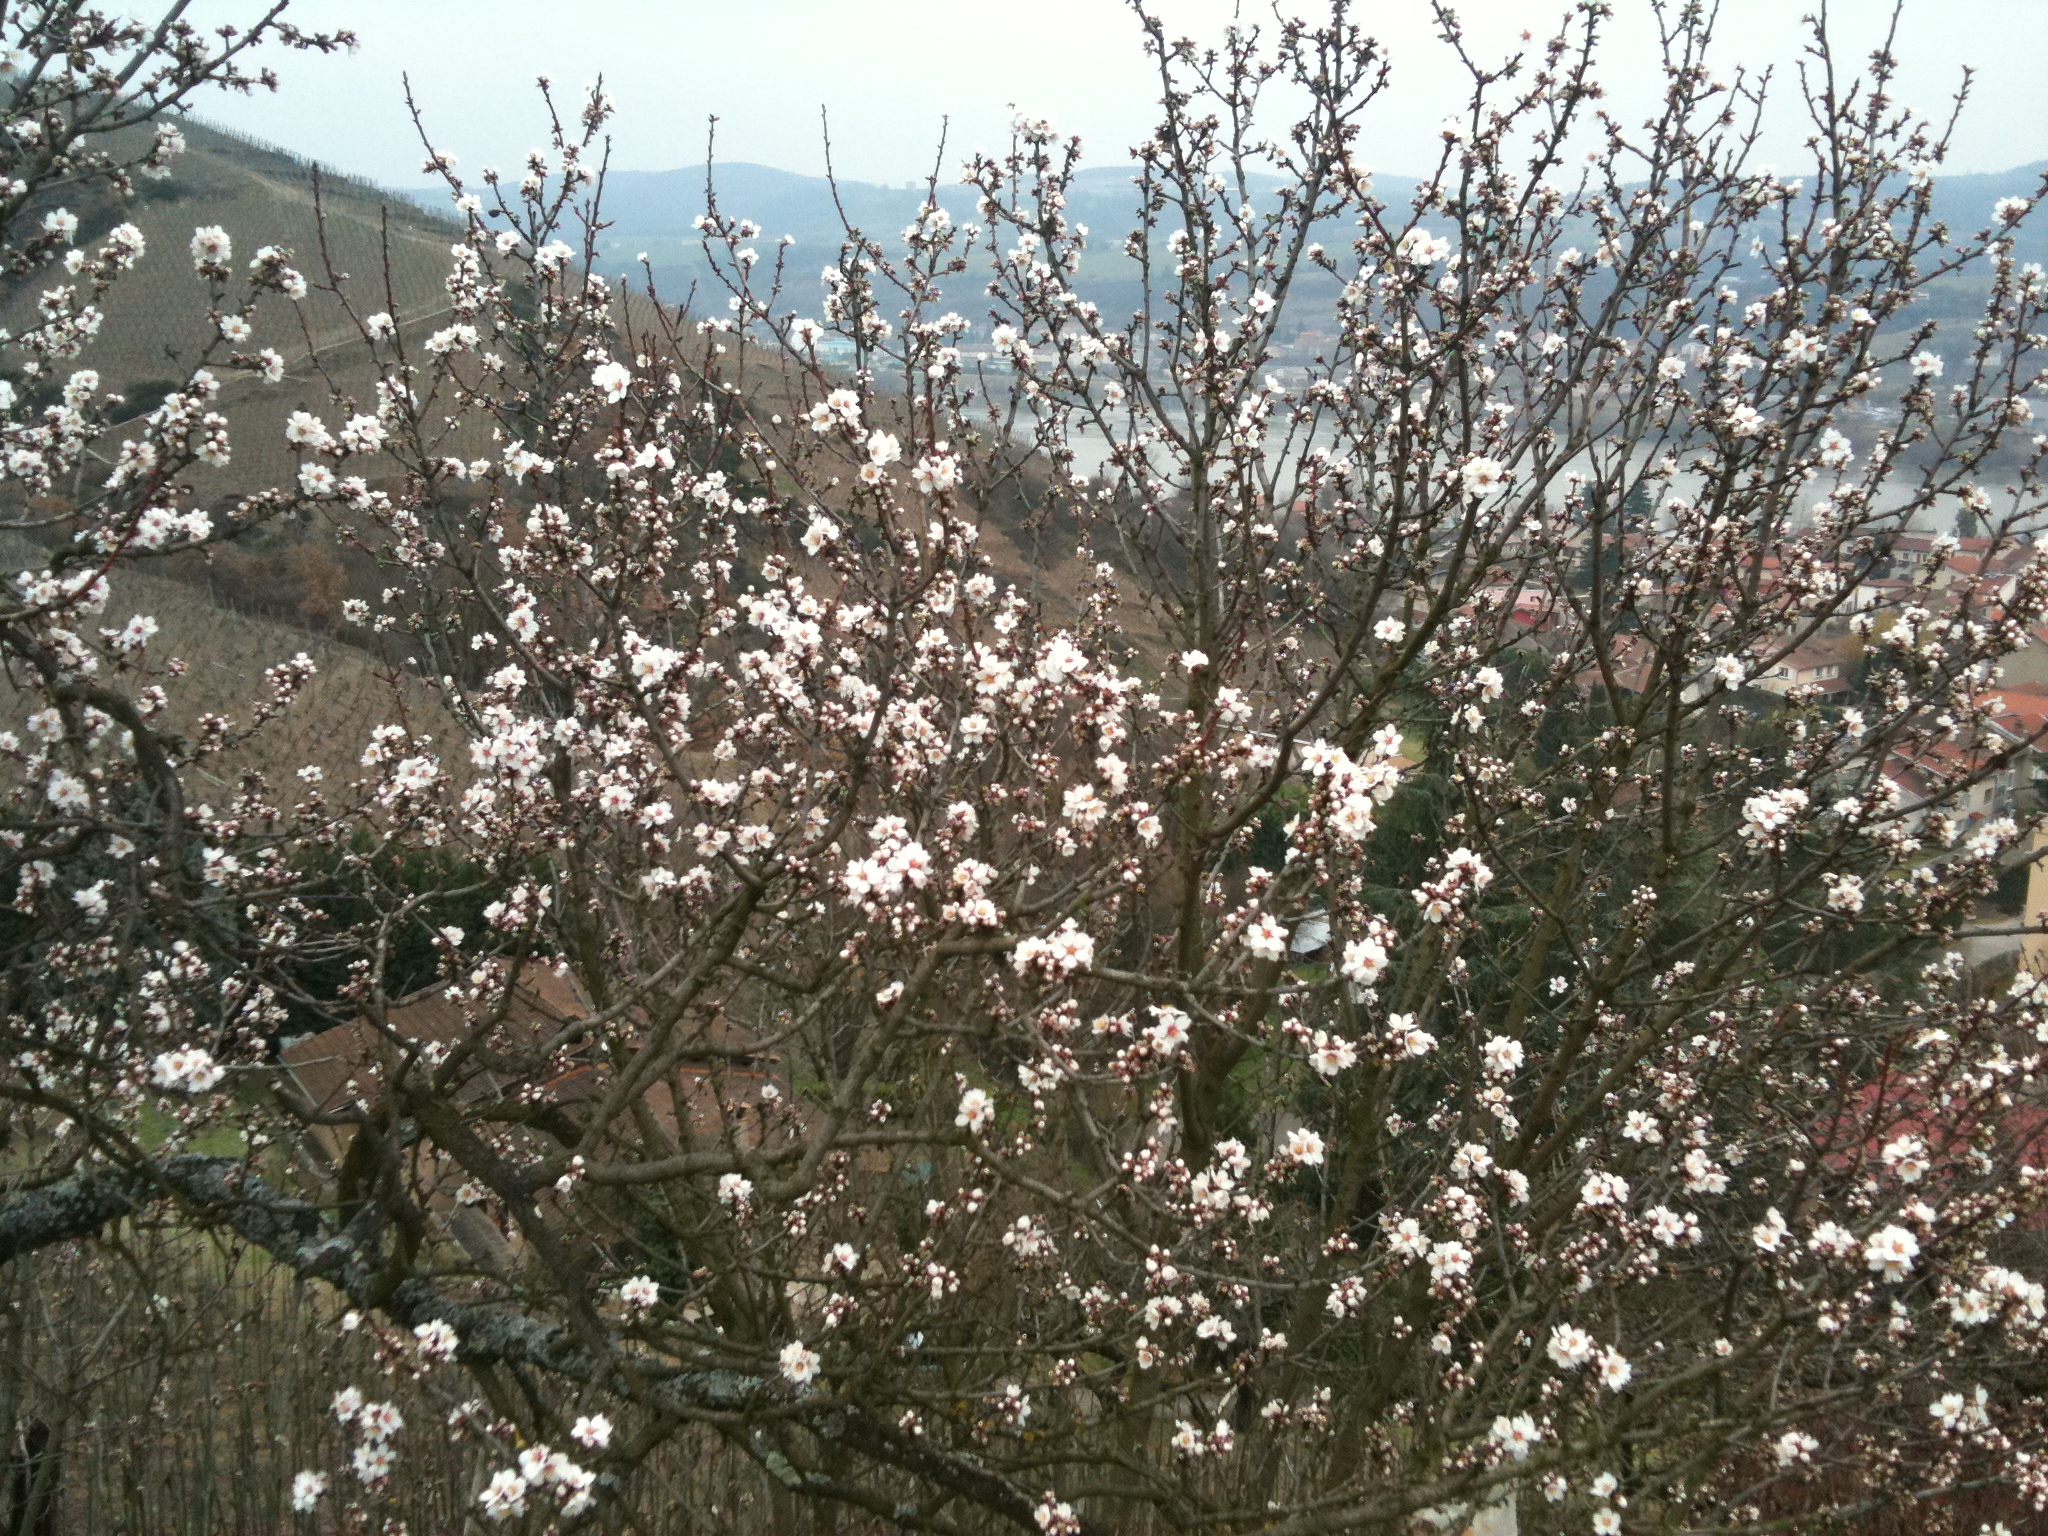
393,253
277,591
653,212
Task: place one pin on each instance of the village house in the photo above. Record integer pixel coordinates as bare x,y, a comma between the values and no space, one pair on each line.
1821,663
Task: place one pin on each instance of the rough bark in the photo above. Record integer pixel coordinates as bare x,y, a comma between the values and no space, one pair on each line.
222,1190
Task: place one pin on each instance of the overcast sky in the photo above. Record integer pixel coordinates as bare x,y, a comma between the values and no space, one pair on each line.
890,72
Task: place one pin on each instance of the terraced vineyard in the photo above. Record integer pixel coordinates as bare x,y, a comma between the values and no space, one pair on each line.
391,254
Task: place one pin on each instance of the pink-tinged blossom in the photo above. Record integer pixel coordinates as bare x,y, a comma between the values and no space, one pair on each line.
822,533
1844,893
1800,348
211,247
573,1486
1615,1370
1056,1517
1303,1146
1745,420
1084,807
1347,1297
1265,938
1330,1054
935,474
1471,1162
1570,1347
192,1070
1364,962
2026,1298
1906,1156
1405,1039
1449,1261
1516,1435
1955,1413
1170,1030
799,1363
1502,1056
1353,819
1059,660
307,1490
67,794
436,1340
1670,1228
1833,1240
302,429
1603,1189
1795,1447
1482,475
1769,818
1889,1253
1419,248
977,1111
1703,1176
1067,950
505,1497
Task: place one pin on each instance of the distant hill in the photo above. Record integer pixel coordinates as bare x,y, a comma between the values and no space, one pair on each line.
653,213
1965,202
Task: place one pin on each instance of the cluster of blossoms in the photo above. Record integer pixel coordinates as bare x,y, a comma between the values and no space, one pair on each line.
377,1423
1464,876
359,435
187,1071
1771,818
540,1473
1348,920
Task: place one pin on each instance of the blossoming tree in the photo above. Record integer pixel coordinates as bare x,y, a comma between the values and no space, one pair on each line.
1316,995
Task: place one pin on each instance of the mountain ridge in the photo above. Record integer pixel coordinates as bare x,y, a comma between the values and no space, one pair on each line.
664,203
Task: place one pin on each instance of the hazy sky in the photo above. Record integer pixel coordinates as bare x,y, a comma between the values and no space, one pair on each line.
891,71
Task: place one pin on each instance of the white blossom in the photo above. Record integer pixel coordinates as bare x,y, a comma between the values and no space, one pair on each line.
799,1363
